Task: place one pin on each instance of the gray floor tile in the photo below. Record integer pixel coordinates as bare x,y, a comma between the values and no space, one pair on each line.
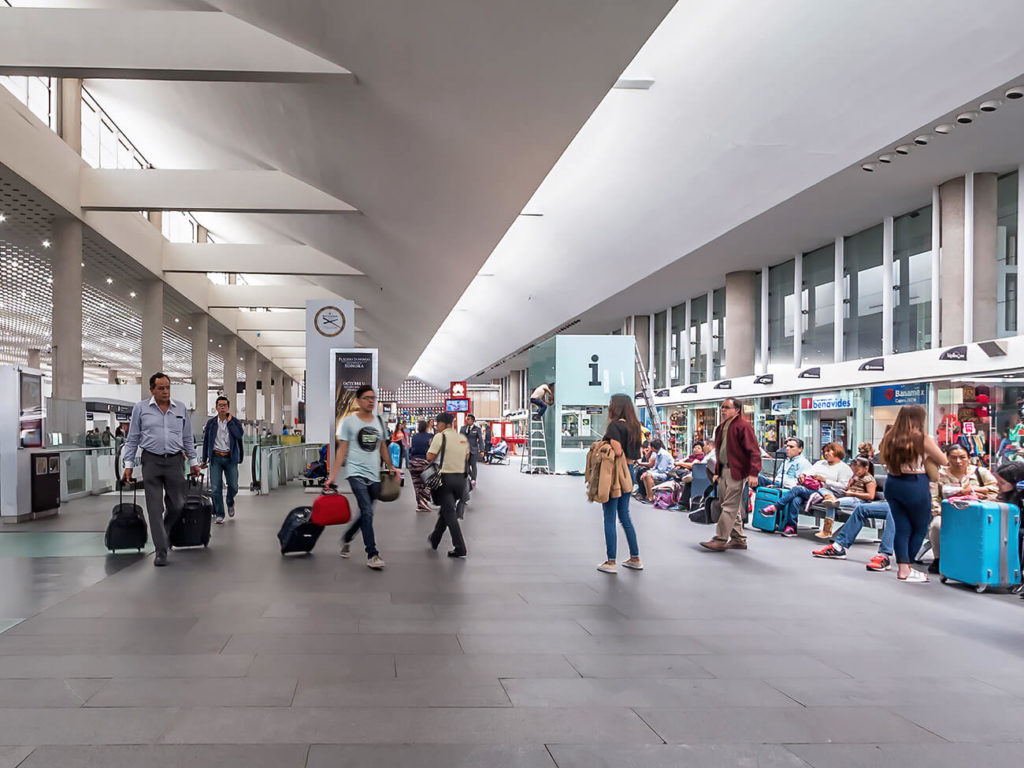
311,625
930,755
618,692
47,693
637,667
108,627
170,756
765,665
783,725
482,666
428,756
534,627
154,666
662,627
190,692
83,726
984,723
675,755
327,643
568,644
12,757
888,691
438,692
324,666
516,726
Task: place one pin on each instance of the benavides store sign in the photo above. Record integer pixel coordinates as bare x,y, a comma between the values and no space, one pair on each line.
825,402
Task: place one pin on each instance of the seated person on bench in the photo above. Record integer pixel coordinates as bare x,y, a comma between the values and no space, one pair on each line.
864,510
498,452
830,473
662,462
793,466
958,479
861,487
640,466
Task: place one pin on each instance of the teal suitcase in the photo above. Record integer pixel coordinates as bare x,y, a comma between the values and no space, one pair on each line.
979,544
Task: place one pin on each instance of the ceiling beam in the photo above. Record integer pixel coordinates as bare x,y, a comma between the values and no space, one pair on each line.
151,45
255,259
275,296
237,191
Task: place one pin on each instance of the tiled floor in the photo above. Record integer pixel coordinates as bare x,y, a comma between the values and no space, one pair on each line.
522,655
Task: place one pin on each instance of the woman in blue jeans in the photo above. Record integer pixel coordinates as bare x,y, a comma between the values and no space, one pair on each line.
904,450
625,436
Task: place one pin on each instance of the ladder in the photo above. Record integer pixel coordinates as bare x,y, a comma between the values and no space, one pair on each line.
648,394
535,457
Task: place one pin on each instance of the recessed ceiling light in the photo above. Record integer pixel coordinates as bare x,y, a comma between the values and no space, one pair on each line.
886,158
83,263
218,346
46,244
2,218
634,83
903,149
190,327
176,320
1017,92
110,281
923,139
869,167
944,128
986,106
132,294
966,118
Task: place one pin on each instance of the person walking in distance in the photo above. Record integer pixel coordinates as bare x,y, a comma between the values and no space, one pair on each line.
904,450
625,436
475,438
418,448
362,446
222,451
738,459
453,450
160,426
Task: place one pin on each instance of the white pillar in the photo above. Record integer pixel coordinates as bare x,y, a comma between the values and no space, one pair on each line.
798,303
111,376
69,101
34,358
969,258
839,315
278,401
887,291
266,377
152,332
937,267
1020,250
230,349
687,346
66,333
200,323
251,377
764,319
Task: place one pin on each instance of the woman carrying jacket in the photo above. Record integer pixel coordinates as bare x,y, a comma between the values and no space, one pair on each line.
625,436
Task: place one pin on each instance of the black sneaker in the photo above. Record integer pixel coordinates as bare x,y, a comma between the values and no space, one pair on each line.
933,566
457,553
433,544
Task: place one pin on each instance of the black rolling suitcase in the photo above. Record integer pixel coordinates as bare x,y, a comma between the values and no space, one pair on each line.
192,528
127,527
298,532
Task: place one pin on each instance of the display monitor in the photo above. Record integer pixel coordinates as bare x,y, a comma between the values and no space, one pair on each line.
458,405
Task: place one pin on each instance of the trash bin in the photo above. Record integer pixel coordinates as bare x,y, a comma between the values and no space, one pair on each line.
45,483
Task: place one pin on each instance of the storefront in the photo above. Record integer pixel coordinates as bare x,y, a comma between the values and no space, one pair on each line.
983,415
831,417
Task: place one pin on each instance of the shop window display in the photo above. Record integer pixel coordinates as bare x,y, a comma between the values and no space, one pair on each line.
984,417
583,425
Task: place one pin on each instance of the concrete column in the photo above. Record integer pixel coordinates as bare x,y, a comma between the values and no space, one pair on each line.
741,289
642,330
838,316
34,360
936,262
951,199
968,289
156,218
66,342
251,376
514,394
152,332
69,125
985,277
111,376
764,320
202,234
798,308
278,401
266,378
887,286
200,323
230,349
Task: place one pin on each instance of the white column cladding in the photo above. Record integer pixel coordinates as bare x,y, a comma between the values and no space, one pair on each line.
764,320
230,386
66,309
1020,250
937,266
969,258
200,323
798,309
707,342
278,401
668,347
685,341
152,332
839,294
266,375
887,283
251,376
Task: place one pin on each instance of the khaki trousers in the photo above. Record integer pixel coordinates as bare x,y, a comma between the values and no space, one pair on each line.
730,523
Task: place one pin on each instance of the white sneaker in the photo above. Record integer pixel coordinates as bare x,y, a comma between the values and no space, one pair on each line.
636,565
915,577
607,567
346,551
376,562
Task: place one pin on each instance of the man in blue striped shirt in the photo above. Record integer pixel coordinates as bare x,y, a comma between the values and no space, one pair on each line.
161,427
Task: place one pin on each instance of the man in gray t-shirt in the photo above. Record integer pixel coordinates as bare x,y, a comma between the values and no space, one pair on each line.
362,446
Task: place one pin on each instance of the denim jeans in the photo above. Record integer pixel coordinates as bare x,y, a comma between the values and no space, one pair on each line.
911,503
541,406
791,501
223,468
366,492
874,510
618,506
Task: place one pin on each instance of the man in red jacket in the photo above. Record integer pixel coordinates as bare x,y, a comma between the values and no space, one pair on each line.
739,461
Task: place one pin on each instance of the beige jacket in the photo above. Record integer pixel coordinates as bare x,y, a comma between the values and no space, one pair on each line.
607,474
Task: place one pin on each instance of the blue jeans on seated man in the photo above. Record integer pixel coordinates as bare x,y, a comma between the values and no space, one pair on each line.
223,468
792,500
875,510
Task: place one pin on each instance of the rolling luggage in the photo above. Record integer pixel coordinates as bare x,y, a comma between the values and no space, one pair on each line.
127,527
298,532
710,507
979,543
395,449
764,496
330,508
192,528
668,494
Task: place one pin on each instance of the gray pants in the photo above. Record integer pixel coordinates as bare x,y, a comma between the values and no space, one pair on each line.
163,478
473,459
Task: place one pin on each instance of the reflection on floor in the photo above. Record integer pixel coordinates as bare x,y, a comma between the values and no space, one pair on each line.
521,655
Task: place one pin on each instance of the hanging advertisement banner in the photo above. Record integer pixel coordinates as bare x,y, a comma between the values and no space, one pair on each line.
350,370
899,394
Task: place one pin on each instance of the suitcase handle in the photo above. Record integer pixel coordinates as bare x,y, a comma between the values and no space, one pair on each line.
120,491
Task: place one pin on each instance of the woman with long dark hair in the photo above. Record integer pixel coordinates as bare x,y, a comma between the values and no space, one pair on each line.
904,450
625,436
418,462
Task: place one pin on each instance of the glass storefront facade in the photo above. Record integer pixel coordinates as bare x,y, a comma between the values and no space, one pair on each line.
1007,280
912,281
660,351
781,325
817,306
862,276
699,339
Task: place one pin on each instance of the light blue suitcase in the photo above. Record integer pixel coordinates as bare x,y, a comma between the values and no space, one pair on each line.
764,496
979,544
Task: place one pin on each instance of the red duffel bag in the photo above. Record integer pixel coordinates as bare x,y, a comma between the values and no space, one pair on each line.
331,508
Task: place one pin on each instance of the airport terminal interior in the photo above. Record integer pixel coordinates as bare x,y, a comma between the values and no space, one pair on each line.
474,383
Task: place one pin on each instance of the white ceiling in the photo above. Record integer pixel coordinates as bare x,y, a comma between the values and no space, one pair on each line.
458,110
740,119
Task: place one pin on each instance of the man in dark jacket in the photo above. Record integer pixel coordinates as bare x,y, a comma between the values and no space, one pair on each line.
739,460
475,438
222,452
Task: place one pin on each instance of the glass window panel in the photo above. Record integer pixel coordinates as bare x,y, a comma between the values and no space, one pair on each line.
718,334
818,301
912,280
699,339
90,135
108,146
1006,256
39,98
679,356
660,374
862,290
780,315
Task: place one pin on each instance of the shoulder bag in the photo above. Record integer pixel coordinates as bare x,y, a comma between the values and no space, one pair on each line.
431,474
390,487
